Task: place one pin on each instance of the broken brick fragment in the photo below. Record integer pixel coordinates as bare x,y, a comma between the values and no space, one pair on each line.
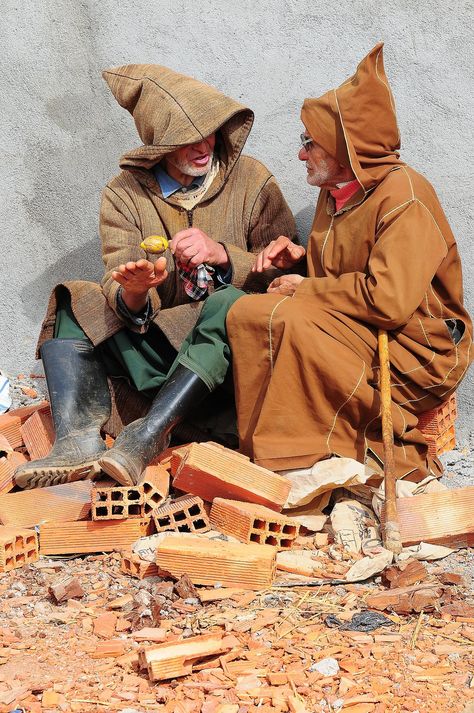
132,565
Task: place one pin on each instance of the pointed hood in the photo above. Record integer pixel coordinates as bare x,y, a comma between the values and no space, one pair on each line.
171,110
357,122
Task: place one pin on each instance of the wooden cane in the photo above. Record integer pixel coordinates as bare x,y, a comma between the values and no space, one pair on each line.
391,530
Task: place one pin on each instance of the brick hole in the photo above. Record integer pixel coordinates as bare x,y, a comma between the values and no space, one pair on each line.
30,541
133,495
9,563
118,510
116,495
101,497
255,537
199,524
147,488
274,527
8,547
134,509
194,510
164,521
20,558
179,516
31,553
19,542
155,498
271,541
259,524
101,512
147,508
184,527
289,529
286,543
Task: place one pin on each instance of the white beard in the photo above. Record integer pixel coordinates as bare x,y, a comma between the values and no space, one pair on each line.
320,174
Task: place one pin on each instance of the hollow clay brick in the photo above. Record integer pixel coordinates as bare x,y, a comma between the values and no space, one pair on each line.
221,473
253,523
155,481
210,561
38,434
24,412
62,538
440,518
61,503
113,502
17,547
176,658
10,428
185,514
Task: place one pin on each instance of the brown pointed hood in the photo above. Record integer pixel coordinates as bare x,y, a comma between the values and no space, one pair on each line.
171,110
357,122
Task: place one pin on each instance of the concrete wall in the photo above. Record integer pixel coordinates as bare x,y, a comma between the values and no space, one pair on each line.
61,132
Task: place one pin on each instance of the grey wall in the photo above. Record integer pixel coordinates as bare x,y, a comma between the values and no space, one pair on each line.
61,132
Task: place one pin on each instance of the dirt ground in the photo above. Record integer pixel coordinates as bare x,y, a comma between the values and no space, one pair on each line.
285,655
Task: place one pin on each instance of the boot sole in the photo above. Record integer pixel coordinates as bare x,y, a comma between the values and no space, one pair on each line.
116,471
57,475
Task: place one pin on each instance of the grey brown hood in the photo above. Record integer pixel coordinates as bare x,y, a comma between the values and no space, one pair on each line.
171,110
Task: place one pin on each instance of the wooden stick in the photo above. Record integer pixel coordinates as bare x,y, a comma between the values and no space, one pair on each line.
391,529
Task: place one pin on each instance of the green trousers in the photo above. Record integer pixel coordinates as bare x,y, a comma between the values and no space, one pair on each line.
148,359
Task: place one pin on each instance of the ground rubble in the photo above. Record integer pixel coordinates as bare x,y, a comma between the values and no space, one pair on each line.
198,595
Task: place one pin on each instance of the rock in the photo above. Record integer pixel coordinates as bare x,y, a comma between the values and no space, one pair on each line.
66,588
326,667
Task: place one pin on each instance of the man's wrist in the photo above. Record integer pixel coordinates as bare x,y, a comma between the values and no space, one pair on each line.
223,260
134,302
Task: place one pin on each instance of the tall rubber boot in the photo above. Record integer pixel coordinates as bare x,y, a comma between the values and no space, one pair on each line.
80,405
145,438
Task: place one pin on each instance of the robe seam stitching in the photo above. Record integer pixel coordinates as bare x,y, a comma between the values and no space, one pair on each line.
344,404
270,339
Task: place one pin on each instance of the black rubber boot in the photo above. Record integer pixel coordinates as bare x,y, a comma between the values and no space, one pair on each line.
145,438
80,405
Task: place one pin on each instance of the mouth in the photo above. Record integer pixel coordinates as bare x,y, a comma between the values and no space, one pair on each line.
201,160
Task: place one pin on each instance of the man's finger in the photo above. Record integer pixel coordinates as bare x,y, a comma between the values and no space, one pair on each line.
182,235
160,266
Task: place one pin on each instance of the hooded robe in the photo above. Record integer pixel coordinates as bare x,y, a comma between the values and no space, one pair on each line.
386,260
243,208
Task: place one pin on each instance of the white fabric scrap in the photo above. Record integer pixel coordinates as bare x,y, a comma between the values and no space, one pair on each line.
5,399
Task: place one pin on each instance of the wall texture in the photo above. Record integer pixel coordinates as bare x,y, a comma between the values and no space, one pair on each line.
61,132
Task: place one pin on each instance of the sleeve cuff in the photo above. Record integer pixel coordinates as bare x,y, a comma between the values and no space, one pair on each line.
137,318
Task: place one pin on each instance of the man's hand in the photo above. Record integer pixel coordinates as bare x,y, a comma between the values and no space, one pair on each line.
281,253
191,247
137,278
285,285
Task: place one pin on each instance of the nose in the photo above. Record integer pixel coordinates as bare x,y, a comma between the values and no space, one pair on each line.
303,154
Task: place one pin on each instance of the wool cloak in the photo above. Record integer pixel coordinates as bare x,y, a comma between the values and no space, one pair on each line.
306,367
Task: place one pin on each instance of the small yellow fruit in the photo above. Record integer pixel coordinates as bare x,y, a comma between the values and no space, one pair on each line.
155,244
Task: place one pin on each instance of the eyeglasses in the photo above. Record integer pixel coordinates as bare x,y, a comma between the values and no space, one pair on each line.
306,141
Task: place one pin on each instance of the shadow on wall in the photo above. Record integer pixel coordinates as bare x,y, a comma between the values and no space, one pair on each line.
84,263
304,221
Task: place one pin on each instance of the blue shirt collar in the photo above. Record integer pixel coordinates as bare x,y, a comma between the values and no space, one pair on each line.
170,185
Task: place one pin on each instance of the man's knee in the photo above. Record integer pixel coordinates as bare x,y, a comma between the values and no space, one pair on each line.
222,299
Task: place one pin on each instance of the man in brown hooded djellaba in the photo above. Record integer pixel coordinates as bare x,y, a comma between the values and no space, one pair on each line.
153,325
381,255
